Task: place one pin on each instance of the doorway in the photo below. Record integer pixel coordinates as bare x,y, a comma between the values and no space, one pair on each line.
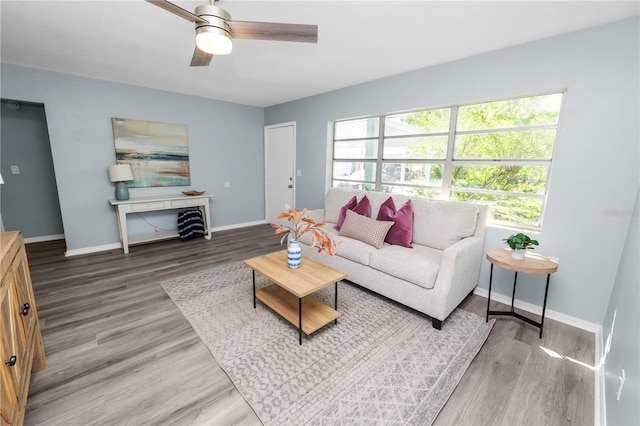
29,196
279,148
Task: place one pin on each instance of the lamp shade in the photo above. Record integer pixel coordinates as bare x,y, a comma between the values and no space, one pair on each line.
120,173
1,181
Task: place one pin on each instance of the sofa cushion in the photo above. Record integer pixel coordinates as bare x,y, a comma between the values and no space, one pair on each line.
363,207
401,233
354,250
335,199
418,266
365,229
440,224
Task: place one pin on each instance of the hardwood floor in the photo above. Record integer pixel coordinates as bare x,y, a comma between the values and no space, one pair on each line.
519,379
119,351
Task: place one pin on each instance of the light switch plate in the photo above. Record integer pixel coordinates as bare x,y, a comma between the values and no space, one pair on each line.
15,170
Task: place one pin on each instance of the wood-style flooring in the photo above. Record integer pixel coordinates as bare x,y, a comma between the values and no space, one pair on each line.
120,353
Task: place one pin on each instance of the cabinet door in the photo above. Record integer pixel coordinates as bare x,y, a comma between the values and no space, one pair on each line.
12,344
9,400
26,304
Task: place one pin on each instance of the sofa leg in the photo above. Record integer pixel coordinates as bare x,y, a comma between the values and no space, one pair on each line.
437,324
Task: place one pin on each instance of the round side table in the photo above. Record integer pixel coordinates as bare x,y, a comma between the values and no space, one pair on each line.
532,264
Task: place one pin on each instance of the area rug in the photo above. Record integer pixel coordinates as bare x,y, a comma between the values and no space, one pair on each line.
381,364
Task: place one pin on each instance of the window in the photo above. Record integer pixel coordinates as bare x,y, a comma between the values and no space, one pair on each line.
496,153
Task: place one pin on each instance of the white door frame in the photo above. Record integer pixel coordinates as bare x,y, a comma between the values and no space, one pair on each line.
266,168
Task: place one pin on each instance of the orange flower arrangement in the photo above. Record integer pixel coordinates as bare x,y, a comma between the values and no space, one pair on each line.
303,224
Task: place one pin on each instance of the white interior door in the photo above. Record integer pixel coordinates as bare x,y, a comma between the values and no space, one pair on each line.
279,148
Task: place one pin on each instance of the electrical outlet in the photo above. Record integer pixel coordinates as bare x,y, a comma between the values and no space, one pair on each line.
299,172
15,170
227,184
621,380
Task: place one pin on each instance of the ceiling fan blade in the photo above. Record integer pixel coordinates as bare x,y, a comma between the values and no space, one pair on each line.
200,58
274,31
177,10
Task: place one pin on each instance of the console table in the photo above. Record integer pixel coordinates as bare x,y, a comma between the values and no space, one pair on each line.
531,264
147,204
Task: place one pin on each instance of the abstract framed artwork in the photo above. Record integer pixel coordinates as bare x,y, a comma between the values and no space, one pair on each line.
158,153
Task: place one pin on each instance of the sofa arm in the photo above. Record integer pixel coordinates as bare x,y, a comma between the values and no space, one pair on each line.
458,275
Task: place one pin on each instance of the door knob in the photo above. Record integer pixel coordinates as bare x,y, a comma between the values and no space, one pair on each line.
290,186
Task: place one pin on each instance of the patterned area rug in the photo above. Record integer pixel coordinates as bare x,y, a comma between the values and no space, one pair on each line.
382,364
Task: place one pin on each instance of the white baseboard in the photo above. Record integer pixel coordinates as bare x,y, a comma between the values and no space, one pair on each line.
599,400
93,249
238,225
537,310
44,238
105,247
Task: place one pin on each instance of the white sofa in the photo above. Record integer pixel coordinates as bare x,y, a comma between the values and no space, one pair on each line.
435,275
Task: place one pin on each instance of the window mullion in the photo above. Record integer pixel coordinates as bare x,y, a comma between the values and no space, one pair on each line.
418,135
509,129
501,193
378,184
501,162
447,171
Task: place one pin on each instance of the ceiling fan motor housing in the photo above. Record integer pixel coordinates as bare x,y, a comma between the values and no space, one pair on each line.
209,35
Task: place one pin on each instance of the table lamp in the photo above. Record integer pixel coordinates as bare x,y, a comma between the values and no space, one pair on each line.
121,174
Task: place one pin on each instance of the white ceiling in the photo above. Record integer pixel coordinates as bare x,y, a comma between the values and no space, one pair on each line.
137,43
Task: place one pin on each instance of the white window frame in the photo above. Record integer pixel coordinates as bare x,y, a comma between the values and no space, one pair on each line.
449,163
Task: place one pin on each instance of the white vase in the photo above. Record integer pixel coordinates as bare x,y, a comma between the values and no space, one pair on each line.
518,254
294,254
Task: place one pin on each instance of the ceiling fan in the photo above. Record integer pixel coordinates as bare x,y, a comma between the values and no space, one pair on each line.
215,30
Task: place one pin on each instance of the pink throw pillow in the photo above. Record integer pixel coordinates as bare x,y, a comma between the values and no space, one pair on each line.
343,211
362,208
401,233
365,229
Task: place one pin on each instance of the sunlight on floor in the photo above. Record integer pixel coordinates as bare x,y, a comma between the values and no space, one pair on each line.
555,354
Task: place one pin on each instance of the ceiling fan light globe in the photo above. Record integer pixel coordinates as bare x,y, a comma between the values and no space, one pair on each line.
214,42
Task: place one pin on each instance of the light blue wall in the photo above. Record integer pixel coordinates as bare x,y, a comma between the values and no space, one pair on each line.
225,144
29,200
621,333
595,170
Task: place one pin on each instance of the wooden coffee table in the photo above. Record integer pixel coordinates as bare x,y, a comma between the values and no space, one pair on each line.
290,295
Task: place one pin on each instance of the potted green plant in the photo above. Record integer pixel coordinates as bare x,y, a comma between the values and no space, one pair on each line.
519,243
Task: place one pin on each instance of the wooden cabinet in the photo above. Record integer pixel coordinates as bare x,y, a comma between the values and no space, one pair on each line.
21,349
